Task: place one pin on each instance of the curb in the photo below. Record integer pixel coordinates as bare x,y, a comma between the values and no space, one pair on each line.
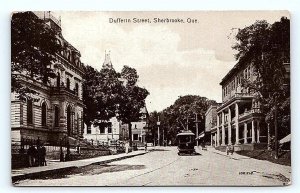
64,169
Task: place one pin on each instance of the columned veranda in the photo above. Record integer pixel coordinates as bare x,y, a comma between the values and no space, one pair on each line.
236,125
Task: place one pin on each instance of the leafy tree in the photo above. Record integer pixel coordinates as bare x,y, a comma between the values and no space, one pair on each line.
132,98
181,116
102,93
90,81
267,47
34,47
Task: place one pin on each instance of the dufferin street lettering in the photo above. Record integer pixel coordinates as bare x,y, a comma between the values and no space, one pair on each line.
119,20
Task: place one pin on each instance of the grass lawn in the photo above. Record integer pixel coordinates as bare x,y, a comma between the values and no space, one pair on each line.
284,158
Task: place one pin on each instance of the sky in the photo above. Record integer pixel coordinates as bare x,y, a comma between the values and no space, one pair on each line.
171,59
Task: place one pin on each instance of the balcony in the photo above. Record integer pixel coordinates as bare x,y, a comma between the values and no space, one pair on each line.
249,112
237,95
63,91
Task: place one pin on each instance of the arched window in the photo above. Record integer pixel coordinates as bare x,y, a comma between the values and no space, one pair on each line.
29,112
56,116
76,88
68,83
58,80
44,114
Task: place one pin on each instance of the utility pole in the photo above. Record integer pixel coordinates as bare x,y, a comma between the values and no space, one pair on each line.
163,136
269,137
158,123
187,123
197,135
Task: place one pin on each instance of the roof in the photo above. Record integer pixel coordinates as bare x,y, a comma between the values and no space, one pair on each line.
212,106
236,68
186,133
144,110
285,139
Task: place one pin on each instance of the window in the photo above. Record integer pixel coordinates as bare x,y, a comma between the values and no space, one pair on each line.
135,137
29,112
58,80
44,114
68,83
76,88
56,116
109,130
102,129
89,129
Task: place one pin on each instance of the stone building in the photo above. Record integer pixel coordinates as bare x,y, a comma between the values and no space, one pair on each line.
57,110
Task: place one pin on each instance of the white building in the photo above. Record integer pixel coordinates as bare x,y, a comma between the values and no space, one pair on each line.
139,128
103,134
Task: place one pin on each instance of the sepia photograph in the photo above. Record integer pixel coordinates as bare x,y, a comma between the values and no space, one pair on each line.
150,98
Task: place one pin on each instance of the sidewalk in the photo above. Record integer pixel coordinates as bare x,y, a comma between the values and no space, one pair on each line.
233,156
54,166
274,168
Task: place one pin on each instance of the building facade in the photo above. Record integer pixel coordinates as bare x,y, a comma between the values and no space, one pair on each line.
139,128
211,122
103,134
56,111
239,121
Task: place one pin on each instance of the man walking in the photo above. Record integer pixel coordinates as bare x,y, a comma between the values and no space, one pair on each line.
31,158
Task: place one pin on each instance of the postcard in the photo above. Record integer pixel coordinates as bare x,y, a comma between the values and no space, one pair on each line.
153,98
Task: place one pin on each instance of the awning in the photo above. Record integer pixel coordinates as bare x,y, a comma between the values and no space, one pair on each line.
285,139
201,135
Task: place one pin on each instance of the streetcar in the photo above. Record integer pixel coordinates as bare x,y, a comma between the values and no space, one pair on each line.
186,142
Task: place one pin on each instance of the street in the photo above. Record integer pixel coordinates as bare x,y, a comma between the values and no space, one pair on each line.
163,167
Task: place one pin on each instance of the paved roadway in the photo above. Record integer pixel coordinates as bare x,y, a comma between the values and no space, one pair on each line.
164,167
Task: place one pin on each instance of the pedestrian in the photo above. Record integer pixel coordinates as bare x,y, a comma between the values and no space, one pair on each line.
39,156
43,156
126,147
145,147
31,157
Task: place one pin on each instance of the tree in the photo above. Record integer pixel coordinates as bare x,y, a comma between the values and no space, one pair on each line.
267,47
181,115
132,98
101,96
90,81
34,46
